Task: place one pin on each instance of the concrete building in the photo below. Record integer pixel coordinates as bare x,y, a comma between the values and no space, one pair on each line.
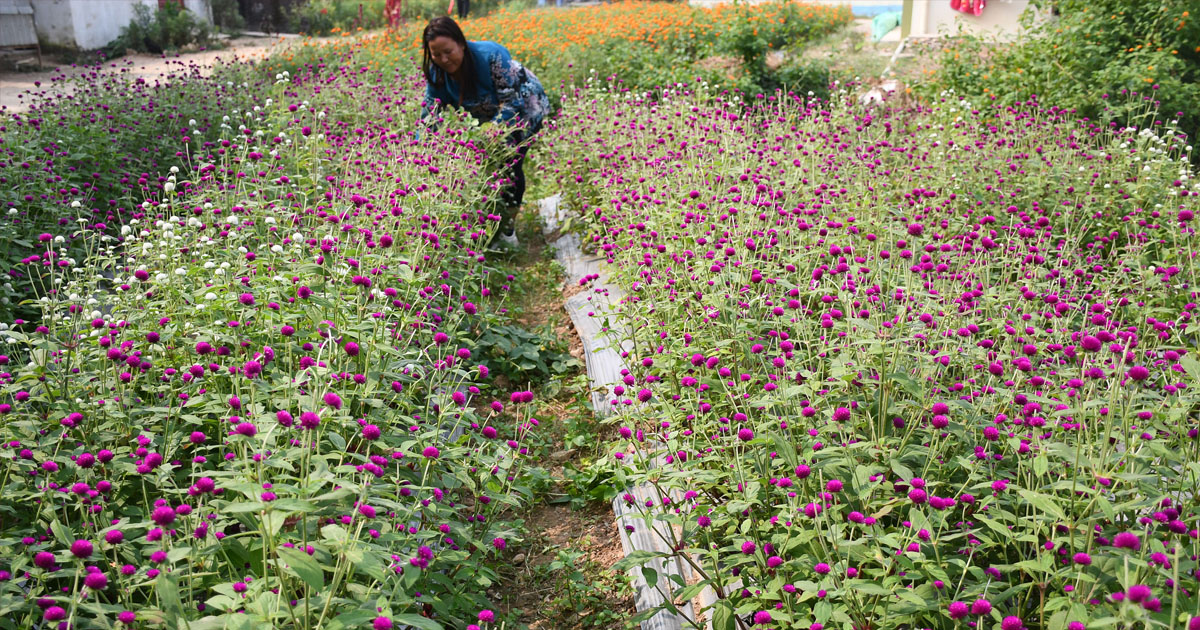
90,24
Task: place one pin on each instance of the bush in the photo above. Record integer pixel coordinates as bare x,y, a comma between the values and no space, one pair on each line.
323,17
226,15
1105,59
170,27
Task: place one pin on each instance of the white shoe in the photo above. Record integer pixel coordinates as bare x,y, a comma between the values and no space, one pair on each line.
509,239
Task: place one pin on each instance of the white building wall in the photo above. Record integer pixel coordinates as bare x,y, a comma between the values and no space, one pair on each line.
90,24
53,21
98,22
1000,18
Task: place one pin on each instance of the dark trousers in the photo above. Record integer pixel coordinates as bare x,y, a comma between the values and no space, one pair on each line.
463,7
514,193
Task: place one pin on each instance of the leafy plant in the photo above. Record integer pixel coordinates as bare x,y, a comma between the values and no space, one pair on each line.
170,27
1106,60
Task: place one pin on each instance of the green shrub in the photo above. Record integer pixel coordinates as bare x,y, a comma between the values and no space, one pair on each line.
322,17
226,15
169,28
1102,58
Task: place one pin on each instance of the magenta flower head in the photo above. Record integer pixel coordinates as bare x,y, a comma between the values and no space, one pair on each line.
366,510
499,543
55,613
352,348
431,452
163,515
841,414
309,420
1139,373
43,560
958,610
283,418
644,395
371,432
1012,623
333,400
487,616
127,617
821,568
748,547
1127,540
252,369
82,548
247,299
745,434
382,623
1082,558
762,617
96,581
1078,625
981,607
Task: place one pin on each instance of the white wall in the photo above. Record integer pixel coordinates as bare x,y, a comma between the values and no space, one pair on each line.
90,24
1001,18
98,22
53,21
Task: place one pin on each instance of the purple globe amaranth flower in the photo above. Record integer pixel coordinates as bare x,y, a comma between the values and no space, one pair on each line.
958,610
1012,623
332,400
309,420
163,515
1082,558
96,581
486,616
371,432
430,452
351,348
83,548
749,547
381,623
762,617
822,568
981,607
43,560
1139,373
745,434
1127,540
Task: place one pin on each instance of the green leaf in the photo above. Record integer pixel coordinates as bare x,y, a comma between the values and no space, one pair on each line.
1043,503
303,566
417,621
722,615
650,575
168,596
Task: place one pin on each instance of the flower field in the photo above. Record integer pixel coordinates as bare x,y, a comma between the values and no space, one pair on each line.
256,400
891,368
901,369
645,44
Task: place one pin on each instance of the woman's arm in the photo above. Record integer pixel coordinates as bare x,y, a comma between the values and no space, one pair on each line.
508,77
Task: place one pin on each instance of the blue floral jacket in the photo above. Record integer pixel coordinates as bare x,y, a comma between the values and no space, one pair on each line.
505,91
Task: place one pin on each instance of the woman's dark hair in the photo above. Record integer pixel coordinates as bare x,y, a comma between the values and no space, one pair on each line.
446,27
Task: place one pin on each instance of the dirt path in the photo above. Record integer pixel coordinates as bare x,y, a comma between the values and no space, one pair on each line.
16,87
